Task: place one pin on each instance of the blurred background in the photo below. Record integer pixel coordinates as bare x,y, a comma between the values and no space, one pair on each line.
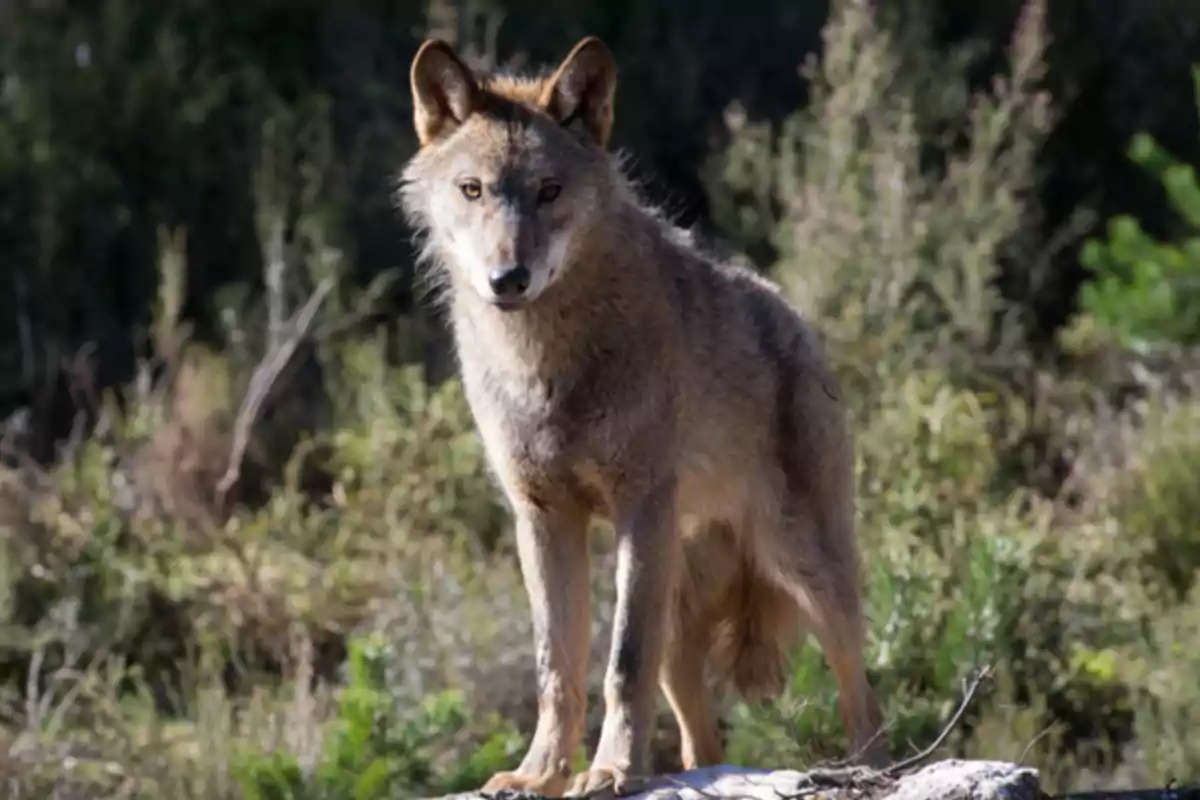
248,545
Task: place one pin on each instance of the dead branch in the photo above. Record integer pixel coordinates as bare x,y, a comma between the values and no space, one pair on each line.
264,378
864,778
968,697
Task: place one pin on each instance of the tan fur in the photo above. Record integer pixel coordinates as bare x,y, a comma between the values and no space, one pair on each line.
635,379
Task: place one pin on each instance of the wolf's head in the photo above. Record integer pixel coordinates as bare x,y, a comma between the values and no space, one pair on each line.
511,172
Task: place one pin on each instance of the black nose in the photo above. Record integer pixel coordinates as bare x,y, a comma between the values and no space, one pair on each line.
509,281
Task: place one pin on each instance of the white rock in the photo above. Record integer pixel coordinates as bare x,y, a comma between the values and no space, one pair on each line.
954,779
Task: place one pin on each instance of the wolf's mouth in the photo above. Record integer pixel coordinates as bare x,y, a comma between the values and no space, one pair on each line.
509,304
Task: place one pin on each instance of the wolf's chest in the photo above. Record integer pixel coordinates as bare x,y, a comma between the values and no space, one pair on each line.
541,423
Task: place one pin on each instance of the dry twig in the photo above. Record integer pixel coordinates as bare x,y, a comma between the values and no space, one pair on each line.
861,780
263,379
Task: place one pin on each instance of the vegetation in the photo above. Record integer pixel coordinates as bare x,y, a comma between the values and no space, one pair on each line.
343,617
1146,290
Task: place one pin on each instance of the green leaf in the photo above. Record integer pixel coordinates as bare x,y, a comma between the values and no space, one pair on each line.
370,784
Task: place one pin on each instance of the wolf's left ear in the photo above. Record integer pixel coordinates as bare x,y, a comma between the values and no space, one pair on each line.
444,91
581,90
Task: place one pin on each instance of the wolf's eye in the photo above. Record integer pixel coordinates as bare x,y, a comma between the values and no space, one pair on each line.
548,193
471,189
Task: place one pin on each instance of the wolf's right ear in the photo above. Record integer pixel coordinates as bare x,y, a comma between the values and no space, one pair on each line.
443,90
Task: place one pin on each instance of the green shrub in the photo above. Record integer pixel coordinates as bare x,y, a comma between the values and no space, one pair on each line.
896,262
1166,699
1157,503
375,750
1146,291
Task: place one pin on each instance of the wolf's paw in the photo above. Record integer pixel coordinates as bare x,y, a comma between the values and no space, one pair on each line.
603,781
547,784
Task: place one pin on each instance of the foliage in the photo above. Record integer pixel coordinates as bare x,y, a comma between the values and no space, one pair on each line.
1144,290
371,753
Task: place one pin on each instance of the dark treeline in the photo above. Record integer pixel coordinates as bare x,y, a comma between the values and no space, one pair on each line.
121,119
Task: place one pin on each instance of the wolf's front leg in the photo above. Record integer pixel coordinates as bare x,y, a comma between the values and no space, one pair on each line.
648,560
552,546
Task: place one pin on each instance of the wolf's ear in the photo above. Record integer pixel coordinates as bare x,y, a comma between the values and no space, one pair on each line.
581,89
443,90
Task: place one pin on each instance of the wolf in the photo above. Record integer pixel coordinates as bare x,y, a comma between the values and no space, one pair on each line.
615,370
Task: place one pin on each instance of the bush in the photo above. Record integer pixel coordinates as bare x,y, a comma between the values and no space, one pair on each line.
1145,291
375,750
